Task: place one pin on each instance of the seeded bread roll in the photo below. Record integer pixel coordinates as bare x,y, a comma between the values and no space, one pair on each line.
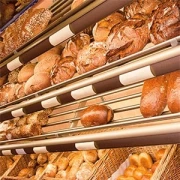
103,27
154,96
37,82
165,22
173,92
63,70
96,115
26,72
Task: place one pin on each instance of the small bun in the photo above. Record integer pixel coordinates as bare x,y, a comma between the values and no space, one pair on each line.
129,170
90,156
102,153
147,176
96,115
145,160
139,172
134,160
159,154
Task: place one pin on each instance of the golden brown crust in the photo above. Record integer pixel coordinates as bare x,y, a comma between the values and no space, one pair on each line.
173,92
154,96
76,3
96,115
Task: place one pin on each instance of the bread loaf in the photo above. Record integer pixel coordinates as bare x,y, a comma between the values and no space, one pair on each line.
173,92
26,172
51,170
75,44
103,27
42,158
145,160
63,70
96,115
127,38
165,23
154,96
91,57
62,163
26,72
46,64
37,82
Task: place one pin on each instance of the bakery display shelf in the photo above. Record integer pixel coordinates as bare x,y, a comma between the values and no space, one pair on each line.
130,130
148,50
74,24
154,64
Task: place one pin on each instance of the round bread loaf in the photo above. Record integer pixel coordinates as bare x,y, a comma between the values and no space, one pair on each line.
96,115
145,160
75,44
165,22
26,72
37,82
63,70
91,57
103,27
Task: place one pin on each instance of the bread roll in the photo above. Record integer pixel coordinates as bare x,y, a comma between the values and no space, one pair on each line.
139,172
154,96
26,172
52,156
39,172
85,171
9,162
129,170
173,92
134,160
75,44
127,38
147,176
46,64
32,164
22,121
154,166
145,160
62,163
33,156
165,22
125,178
76,160
13,76
90,156
76,3
160,153
102,153
42,158
37,82
103,27
96,115
91,57
20,90
26,72
63,70
61,175
51,170
71,173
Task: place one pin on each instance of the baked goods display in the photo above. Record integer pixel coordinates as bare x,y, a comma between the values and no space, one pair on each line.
26,126
95,115
102,28
165,22
142,166
154,96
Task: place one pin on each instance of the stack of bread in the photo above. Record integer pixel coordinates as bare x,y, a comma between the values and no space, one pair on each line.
142,166
74,165
27,126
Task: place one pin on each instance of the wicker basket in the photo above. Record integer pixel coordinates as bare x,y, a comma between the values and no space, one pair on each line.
115,157
4,169
171,170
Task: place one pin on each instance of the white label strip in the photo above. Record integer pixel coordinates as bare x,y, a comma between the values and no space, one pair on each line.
60,35
6,152
50,103
20,151
136,76
14,64
83,92
18,112
40,150
85,146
